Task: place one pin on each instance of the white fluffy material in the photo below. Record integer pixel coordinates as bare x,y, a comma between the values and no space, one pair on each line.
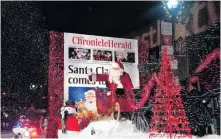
121,130
90,103
115,65
69,109
114,75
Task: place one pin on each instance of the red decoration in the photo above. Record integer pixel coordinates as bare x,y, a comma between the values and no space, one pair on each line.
169,116
143,53
145,94
113,88
208,59
210,77
193,79
55,81
71,124
102,102
56,75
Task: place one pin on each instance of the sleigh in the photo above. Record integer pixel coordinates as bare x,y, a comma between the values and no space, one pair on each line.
113,104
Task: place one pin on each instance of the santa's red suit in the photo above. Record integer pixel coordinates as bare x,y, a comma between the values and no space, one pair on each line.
68,125
123,83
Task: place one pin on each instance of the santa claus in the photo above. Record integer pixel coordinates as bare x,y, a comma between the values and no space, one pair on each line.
68,124
90,103
118,77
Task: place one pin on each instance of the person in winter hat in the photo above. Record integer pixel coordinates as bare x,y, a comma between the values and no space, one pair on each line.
121,79
68,124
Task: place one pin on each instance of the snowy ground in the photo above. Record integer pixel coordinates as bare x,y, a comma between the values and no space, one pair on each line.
7,134
113,130
119,130
10,135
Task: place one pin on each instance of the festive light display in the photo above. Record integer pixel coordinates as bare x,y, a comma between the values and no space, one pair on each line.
146,94
56,77
55,81
204,61
202,44
197,111
210,77
143,58
208,59
168,111
211,63
204,56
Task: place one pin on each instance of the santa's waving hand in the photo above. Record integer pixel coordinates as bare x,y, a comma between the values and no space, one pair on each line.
118,76
115,75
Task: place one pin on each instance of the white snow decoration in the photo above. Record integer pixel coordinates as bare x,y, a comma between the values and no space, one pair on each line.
120,130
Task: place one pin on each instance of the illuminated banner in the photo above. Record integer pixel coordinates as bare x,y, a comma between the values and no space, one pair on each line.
166,35
180,34
86,54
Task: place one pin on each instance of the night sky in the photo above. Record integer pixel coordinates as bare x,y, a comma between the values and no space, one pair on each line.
25,37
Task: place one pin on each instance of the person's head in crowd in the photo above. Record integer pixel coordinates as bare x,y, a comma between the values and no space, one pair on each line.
99,52
125,55
108,54
94,52
79,52
45,120
22,119
119,56
73,53
84,53
192,87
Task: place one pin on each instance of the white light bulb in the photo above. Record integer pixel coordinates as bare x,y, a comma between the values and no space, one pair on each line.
33,86
172,4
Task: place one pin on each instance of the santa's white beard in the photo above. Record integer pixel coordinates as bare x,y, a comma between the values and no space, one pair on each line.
91,100
91,106
114,75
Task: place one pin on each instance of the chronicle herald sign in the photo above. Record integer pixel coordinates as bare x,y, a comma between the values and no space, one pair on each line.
86,54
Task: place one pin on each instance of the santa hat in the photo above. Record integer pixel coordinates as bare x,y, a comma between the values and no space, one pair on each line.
118,64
